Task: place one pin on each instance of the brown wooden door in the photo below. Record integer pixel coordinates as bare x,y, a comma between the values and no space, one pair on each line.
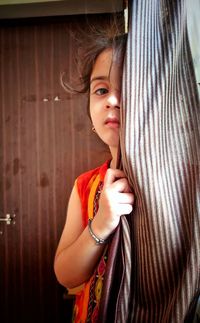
46,141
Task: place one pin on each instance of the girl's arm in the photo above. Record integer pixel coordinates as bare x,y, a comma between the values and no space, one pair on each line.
77,254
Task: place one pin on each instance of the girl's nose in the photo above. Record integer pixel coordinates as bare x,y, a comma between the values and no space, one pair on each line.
113,100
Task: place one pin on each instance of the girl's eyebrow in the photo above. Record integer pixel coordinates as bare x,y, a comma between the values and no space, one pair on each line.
101,78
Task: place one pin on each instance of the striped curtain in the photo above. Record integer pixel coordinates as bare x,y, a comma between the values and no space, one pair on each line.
153,272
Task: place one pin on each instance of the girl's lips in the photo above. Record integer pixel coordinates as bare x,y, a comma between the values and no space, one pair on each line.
112,122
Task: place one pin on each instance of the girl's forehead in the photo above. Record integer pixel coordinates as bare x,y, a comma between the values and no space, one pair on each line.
105,64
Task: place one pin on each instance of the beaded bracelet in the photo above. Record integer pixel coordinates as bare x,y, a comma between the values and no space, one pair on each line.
97,240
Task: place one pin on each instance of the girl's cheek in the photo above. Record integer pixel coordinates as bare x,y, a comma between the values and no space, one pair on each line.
94,102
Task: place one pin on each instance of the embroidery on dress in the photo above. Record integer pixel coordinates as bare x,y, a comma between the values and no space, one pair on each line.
97,283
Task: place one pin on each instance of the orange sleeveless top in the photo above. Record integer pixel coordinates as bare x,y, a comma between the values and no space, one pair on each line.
87,300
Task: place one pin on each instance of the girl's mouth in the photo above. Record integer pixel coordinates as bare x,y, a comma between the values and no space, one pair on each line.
112,122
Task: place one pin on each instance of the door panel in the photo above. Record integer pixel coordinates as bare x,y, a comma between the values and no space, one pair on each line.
46,142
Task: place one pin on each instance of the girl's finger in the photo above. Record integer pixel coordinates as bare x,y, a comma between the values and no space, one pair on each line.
112,175
121,185
125,198
124,209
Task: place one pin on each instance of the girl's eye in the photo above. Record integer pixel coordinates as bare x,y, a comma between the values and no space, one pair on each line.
101,91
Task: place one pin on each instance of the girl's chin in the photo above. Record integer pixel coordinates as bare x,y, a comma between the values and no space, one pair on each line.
112,142
110,137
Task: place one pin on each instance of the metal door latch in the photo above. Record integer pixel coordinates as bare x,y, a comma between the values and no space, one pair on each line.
8,219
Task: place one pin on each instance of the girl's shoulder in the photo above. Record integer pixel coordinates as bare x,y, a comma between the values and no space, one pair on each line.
87,177
85,183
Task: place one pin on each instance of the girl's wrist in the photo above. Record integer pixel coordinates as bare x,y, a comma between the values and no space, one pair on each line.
98,230
98,240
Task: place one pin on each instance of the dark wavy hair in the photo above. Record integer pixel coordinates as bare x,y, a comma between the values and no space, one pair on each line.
90,46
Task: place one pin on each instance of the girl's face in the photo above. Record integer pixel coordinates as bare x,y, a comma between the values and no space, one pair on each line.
105,91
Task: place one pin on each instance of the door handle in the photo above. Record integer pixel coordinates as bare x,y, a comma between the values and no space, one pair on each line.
8,219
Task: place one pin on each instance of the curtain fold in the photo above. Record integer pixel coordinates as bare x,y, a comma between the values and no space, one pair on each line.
157,247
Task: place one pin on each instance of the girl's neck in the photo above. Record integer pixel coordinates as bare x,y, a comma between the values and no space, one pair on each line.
113,162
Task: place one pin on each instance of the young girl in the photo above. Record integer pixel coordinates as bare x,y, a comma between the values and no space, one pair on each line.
100,196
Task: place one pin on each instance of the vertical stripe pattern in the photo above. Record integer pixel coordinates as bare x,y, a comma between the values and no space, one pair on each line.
122,307
160,144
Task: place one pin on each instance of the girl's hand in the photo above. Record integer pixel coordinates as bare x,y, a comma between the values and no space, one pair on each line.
116,199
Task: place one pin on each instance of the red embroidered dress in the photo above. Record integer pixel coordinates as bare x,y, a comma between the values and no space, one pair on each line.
89,187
